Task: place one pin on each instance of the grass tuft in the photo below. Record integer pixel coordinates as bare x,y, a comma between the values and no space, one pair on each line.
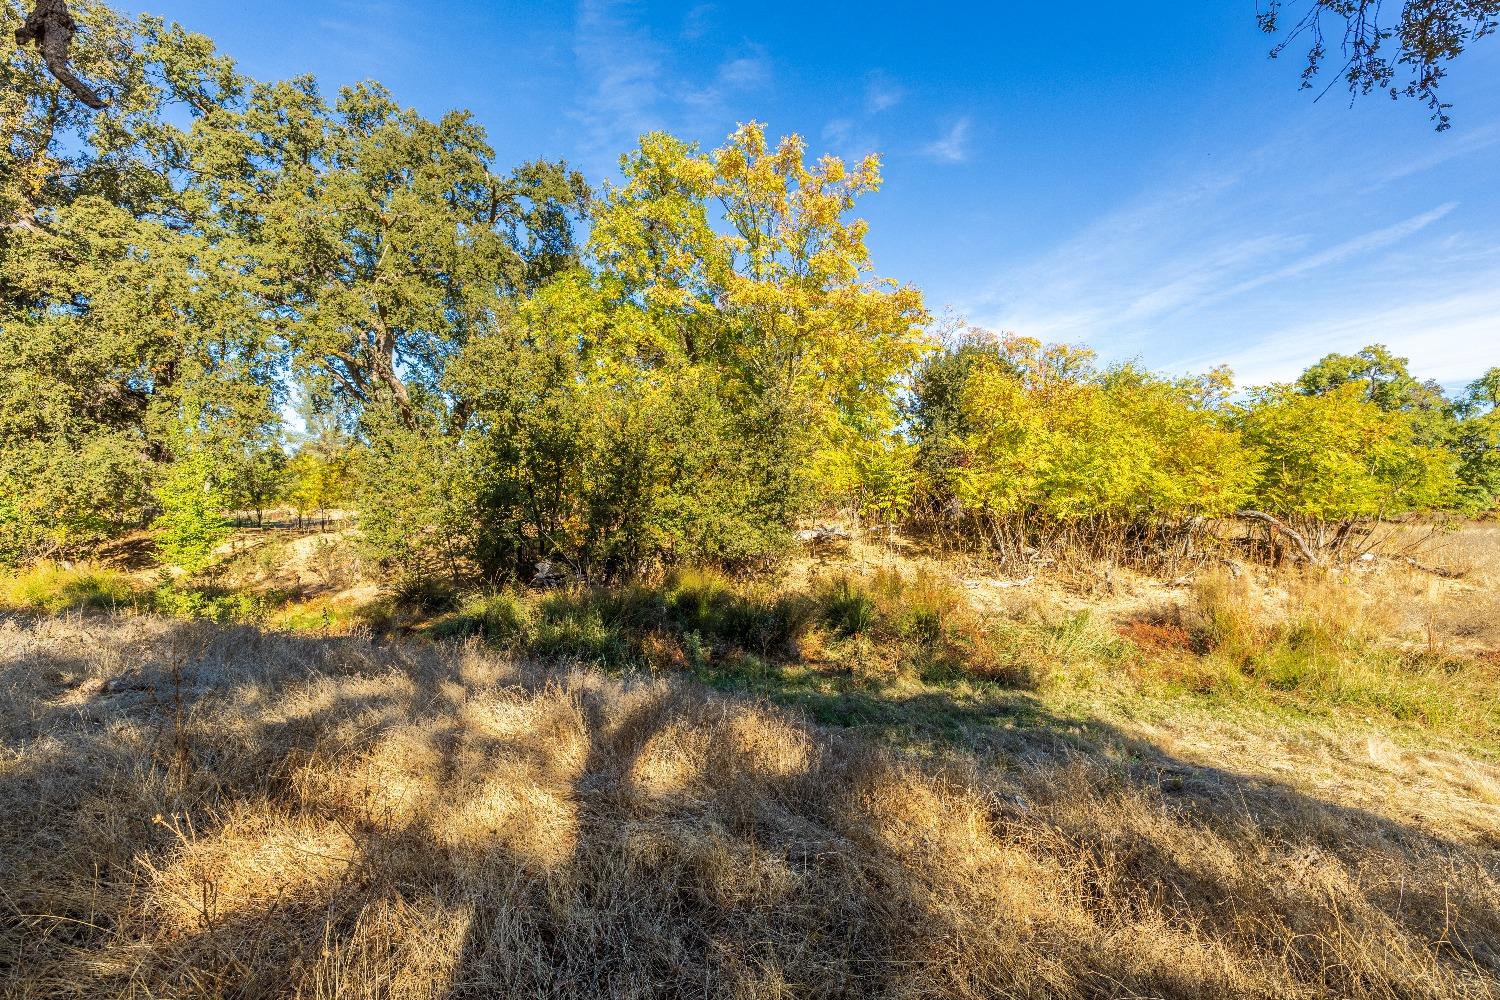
53,588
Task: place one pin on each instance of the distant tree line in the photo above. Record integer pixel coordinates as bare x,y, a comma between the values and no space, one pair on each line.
505,368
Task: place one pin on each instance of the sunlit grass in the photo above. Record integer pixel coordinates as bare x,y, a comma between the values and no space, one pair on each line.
51,587
209,810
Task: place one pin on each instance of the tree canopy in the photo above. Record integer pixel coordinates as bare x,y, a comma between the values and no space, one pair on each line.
503,368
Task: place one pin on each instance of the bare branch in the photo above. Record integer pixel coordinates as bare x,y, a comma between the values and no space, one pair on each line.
1281,526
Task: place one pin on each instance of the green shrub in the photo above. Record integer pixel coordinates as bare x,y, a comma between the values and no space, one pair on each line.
846,607
191,523
233,606
579,630
1024,444
708,604
501,617
1335,458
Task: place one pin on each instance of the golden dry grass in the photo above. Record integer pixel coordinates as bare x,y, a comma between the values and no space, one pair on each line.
189,810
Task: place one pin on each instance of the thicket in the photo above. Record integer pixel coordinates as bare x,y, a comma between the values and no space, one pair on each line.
1027,446
510,373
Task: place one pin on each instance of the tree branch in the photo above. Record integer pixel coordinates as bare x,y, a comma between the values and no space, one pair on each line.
1276,523
51,27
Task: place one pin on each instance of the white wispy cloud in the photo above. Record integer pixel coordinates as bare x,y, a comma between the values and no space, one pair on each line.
1451,334
1454,147
953,145
838,131
696,22
881,93
1254,267
632,82
622,72
745,71
366,36
1362,244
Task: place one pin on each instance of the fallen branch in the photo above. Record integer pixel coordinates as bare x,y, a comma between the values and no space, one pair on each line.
1279,525
1447,574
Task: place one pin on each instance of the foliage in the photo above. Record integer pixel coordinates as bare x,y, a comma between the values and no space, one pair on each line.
121,288
776,294
1338,456
600,454
1477,441
55,588
1035,437
382,238
231,606
169,265
1386,382
319,476
415,499
494,394
191,523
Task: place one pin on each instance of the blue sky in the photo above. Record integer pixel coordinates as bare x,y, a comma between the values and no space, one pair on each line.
1137,177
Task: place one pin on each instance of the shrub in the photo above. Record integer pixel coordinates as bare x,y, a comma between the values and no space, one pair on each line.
596,454
1330,460
1037,444
414,493
501,617
846,607
753,617
209,604
191,523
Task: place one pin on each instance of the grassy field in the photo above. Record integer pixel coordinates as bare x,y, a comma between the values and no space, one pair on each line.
876,773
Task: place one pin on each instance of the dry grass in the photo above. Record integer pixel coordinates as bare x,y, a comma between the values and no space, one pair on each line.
188,810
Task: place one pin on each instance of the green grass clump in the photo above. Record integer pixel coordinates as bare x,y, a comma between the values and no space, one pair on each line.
52,588
1335,647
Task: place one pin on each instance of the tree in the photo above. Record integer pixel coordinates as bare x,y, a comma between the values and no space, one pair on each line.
746,258
319,476
191,523
1477,441
382,239
1385,381
170,264
603,448
50,27
257,477
1333,460
124,296
1037,443
414,492
1407,58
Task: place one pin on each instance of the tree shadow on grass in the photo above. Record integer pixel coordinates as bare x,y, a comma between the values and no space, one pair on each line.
477,828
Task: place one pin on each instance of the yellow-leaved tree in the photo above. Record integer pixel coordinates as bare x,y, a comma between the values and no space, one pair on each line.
1035,445
747,259
1334,462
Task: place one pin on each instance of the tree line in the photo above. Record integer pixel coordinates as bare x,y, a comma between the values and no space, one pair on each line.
500,368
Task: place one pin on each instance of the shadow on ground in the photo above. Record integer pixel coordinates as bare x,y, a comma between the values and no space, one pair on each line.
192,810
